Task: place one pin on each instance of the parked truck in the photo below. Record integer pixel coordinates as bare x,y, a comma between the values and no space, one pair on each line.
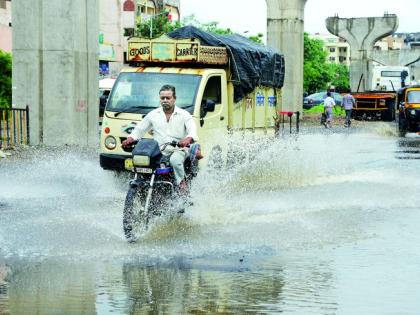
228,84
380,101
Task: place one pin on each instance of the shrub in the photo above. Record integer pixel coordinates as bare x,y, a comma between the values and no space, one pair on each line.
5,80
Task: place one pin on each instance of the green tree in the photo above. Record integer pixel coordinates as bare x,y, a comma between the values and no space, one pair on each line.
316,71
318,74
339,76
257,38
5,79
161,25
213,27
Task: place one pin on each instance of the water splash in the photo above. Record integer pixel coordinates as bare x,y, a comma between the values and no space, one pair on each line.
386,129
55,172
60,203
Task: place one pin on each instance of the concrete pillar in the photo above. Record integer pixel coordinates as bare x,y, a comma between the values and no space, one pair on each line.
285,33
55,69
362,34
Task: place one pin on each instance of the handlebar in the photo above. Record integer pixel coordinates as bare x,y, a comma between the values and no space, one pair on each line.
131,145
176,144
173,143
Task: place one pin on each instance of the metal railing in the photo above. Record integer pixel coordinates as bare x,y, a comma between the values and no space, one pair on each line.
280,120
14,126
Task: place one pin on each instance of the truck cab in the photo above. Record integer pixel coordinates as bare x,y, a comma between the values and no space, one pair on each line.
136,92
390,78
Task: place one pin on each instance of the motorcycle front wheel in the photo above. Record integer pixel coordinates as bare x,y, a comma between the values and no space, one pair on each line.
135,218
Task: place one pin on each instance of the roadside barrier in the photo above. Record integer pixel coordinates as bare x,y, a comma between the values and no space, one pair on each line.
14,126
281,118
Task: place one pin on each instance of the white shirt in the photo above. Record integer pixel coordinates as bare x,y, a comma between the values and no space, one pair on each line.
329,102
180,125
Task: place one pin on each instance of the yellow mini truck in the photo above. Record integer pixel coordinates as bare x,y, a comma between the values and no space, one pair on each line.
205,87
409,110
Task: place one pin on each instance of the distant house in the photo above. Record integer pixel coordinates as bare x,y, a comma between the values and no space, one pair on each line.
117,22
6,25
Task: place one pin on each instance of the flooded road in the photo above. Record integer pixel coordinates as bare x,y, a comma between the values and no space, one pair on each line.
325,223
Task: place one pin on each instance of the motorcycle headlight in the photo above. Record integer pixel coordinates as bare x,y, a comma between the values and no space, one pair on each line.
413,112
110,143
141,160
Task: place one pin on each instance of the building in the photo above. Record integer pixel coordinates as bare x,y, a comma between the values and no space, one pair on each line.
338,49
409,37
147,8
390,42
111,41
117,22
6,25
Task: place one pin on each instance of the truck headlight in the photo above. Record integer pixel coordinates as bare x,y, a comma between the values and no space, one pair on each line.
110,143
141,160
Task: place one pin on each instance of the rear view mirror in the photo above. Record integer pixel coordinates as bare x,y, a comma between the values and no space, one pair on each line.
207,106
210,105
103,99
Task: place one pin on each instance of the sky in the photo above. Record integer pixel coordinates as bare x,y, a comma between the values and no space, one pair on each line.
249,16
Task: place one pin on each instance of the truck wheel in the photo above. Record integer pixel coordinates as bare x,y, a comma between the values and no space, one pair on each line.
392,114
134,218
356,115
389,114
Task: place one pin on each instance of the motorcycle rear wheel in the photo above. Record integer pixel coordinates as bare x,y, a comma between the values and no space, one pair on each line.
135,220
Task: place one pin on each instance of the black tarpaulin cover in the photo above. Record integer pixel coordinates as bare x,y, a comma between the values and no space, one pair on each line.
251,64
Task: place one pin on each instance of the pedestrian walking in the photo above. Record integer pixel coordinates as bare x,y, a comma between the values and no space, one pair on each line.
329,103
348,103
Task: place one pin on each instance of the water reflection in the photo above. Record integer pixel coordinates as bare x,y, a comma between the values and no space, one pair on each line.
50,288
176,287
180,289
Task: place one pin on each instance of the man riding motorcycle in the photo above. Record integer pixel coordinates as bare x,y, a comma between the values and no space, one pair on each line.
169,123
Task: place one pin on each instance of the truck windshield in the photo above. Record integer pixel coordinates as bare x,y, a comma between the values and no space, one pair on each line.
413,97
391,74
136,92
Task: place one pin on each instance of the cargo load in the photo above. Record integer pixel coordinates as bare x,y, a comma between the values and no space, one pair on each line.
251,64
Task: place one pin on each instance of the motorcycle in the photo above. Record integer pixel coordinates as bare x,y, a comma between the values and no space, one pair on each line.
153,188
